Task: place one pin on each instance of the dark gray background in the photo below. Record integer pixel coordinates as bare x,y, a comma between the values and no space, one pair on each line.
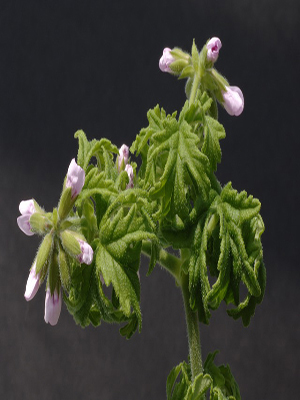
66,65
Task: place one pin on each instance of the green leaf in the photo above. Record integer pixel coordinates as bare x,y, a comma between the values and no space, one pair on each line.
87,301
94,148
88,220
125,282
155,248
227,238
81,296
178,382
176,168
141,144
199,285
122,230
224,386
213,133
129,329
195,57
199,387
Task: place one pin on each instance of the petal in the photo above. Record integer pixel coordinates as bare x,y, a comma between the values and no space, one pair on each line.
52,307
129,171
75,178
24,224
233,100
165,60
33,284
87,254
27,207
213,47
123,155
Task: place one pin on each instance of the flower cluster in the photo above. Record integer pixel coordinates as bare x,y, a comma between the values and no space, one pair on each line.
123,164
177,62
59,246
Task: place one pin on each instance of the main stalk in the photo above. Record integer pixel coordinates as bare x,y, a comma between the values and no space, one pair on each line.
192,330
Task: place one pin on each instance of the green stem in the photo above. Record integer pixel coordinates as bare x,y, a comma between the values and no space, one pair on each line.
193,330
195,87
171,263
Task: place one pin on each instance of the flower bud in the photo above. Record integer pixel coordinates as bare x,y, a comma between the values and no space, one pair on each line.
75,178
70,243
123,156
165,60
52,306
129,171
87,254
213,47
40,223
233,100
33,284
26,208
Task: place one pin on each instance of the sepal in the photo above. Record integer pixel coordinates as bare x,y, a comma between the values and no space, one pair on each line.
44,255
40,223
64,268
69,240
53,282
66,203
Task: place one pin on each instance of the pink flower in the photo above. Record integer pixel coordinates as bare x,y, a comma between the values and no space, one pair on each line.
33,284
233,100
166,60
26,208
123,155
213,47
87,254
52,307
129,171
75,178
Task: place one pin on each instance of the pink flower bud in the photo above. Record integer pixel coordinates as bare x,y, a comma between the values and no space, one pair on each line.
52,307
87,254
165,60
75,178
233,100
129,171
123,155
213,47
33,284
26,208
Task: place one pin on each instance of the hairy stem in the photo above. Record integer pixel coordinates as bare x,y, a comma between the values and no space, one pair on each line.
193,330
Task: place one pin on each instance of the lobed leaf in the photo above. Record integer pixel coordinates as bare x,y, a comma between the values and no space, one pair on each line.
213,133
227,238
224,386
123,227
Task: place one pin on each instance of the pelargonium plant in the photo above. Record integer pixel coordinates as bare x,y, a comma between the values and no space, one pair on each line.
113,209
